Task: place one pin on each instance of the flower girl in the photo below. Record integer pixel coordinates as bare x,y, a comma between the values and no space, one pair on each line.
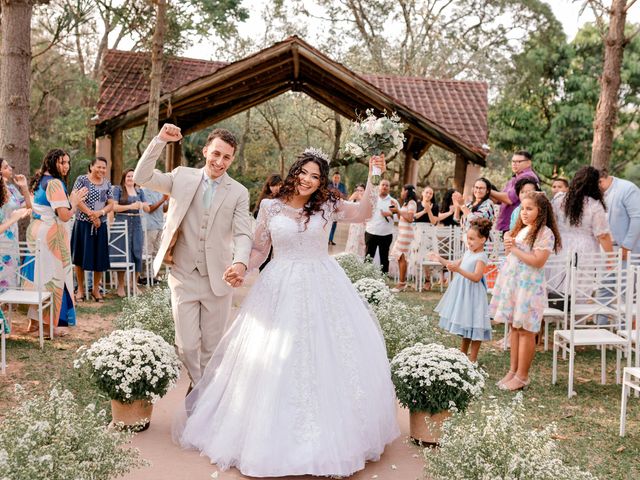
464,308
519,296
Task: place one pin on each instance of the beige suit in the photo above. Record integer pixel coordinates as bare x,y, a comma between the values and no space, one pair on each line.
199,244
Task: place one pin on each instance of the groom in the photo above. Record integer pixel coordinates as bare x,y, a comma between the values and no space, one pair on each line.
206,230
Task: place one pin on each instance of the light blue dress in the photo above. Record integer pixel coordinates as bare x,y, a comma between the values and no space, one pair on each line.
464,308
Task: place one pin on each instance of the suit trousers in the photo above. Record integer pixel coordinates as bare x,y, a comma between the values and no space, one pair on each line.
200,318
381,242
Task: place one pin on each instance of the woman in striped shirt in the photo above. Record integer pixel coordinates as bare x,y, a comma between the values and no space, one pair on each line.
400,248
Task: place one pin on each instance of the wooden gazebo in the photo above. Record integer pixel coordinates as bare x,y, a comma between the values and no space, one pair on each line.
198,93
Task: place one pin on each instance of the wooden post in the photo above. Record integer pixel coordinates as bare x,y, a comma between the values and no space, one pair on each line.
117,155
460,173
473,173
173,156
410,168
103,149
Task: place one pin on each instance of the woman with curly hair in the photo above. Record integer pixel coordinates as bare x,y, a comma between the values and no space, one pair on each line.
304,363
52,209
581,214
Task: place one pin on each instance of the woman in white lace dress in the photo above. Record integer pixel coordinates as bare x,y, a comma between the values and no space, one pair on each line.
300,384
355,240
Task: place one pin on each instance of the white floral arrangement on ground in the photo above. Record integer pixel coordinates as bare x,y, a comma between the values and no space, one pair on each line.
374,291
493,441
53,437
433,378
130,365
402,325
356,268
149,311
374,136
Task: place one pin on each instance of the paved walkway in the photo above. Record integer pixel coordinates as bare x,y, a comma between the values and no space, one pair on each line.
400,461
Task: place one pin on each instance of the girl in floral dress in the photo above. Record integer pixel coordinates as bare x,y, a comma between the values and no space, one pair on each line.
400,249
52,208
520,291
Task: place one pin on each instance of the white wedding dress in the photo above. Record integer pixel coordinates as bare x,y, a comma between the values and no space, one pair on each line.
300,383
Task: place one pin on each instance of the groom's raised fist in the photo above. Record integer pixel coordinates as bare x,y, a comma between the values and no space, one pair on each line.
170,133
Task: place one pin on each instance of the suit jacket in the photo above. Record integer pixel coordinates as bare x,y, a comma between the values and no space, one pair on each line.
623,211
341,188
228,237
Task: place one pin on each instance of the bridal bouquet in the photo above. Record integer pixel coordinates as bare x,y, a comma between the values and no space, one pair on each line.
432,378
131,365
375,136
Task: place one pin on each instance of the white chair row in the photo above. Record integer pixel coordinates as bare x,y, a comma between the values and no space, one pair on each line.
596,312
446,241
631,375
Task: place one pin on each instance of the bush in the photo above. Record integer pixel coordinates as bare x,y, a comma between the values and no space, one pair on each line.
374,291
356,268
432,378
130,365
53,438
494,443
150,311
402,325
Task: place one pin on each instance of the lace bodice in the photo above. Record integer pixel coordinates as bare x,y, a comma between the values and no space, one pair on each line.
283,227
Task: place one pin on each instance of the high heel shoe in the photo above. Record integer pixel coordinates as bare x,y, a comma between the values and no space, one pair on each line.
500,383
401,287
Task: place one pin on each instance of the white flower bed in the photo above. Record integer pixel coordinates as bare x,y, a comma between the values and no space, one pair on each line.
149,311
494,442
374,291
402,325
52,437
356,268
432,378
131,365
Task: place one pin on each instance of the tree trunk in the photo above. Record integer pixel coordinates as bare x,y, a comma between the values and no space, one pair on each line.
242,162
155,79
15,82
607,109
336,136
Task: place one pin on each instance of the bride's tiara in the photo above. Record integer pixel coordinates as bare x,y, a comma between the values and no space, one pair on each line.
316,152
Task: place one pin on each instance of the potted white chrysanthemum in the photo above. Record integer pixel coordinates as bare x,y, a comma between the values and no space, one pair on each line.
431,381
134,368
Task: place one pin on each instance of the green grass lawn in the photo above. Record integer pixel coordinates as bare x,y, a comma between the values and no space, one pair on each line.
588,423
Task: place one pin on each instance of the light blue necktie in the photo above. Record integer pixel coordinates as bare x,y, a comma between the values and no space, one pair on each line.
208,193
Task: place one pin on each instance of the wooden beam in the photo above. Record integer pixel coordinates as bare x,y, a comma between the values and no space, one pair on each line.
410,168
117,155
460,173
173,156
103,149
473,173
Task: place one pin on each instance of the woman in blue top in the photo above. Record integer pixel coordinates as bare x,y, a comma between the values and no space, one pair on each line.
130,202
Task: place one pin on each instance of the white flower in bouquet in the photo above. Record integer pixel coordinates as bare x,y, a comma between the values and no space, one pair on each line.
432,378
53,436
375,136
494,441
131,365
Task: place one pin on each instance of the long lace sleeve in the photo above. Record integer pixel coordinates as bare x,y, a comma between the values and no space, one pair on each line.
261,236
351,212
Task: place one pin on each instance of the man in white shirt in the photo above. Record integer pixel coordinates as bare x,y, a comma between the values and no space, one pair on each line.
379,230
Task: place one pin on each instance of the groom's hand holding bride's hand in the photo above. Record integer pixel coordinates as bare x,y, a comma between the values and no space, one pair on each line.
170,133
234,275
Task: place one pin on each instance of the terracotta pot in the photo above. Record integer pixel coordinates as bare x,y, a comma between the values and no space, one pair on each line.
425,428
135,416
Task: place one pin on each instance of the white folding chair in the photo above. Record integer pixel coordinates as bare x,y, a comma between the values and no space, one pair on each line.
630,380
433,239
147,259
557,272
590,276
3,346
30,254
632,311
119,253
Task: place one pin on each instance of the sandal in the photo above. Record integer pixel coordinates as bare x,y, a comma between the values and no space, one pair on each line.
517,383
79,298
99,299
401,287
501,383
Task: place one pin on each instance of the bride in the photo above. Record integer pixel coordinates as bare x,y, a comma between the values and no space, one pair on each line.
300,383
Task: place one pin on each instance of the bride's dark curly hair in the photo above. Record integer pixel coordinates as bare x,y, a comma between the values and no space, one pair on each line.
583,185
318,198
